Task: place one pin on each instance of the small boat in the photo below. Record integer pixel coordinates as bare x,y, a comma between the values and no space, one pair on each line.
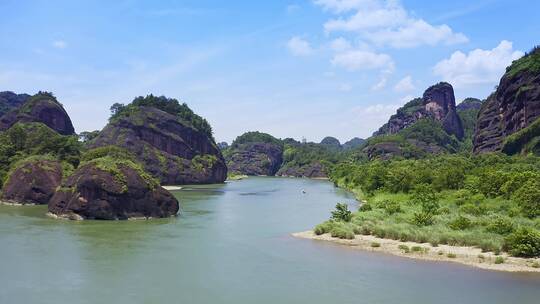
304,191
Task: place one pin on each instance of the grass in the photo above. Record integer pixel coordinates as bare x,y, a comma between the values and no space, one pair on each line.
375,245
404,248
499,260
451,255
488,224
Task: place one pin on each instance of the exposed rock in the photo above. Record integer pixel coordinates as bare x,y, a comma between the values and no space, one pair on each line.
108,189
257,158
331,142
313,170
10,101
169,148
513,107
32,182
469,104
353,143
44,108
438,103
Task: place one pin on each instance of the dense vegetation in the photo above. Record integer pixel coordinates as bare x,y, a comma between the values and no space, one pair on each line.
300,154
24,140
169,105
524,141
490,201
255,137
529,62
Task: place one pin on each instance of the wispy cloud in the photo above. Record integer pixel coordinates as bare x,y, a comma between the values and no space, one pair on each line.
299,47
59,44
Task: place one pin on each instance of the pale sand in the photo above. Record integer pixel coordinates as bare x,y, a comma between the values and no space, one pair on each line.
16,204
464,255
172,188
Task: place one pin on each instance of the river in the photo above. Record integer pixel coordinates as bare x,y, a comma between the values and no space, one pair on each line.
231,244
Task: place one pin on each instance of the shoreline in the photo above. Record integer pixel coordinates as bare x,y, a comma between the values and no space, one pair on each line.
469,256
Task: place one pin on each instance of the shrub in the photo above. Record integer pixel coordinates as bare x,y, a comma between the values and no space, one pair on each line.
472,209
405,248
375,245
416,248
528,198
342,232
423,194
365,207
323,228
535,265
524,242
460,223
499,260
342,213
451,255
392,207
500,225
421,219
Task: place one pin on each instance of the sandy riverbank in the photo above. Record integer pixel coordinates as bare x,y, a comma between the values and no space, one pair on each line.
172,188
464,255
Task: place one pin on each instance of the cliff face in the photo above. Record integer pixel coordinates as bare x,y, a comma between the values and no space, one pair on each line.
170,149
438,103
42,107
256,158
513,107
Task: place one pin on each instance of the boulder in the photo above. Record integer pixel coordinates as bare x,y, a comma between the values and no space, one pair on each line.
111,189
32,182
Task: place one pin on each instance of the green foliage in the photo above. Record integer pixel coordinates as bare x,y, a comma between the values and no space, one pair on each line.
423,218
500,225
499,260
114,152
255,137
460,223
392,207
524,242
342,213
24,140
525,140
87,136
169,105
528,198
529,62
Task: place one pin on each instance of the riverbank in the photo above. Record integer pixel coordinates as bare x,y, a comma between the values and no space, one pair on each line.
469,256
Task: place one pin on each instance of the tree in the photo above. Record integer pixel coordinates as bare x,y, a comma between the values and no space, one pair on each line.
117,108
87,136
342,213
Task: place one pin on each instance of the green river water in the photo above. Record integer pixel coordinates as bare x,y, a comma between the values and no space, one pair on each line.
231,244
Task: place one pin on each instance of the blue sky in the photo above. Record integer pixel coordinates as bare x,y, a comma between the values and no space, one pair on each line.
291,68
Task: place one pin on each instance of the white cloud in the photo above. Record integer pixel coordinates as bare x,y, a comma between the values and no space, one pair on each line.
405,85
292,8
354,60
59,44
387,23
381,84
478,66
299,47
340,44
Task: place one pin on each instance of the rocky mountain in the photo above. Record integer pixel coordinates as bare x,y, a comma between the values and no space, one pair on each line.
469,104
255,153
423,126
111,189
10,101
508,120
174,144
438,103
331,142
42,107
353,143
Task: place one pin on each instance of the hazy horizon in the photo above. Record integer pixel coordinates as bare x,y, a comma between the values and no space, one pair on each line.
289,68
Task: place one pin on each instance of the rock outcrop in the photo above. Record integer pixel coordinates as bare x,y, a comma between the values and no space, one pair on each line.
42,107
109,189
258,158
312,170
10,101
437,103
469,104
32,182
513,107
169,147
